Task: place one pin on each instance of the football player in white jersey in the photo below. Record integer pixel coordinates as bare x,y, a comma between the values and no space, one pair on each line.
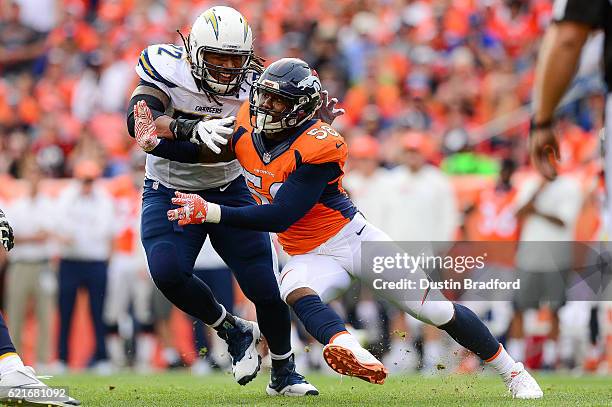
194,92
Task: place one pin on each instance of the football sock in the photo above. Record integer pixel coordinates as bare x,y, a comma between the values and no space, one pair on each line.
318,318
114,345
549,354
278,362
432,354
9,362
275,324
225,321
171,355
145,346
471,333
502,363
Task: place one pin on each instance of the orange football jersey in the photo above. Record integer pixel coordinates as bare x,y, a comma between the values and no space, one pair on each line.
496,225
265,172
128,202
496,216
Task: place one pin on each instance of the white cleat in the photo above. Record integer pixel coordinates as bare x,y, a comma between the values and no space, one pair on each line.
242,343
345,356
287,382
522,385
22,387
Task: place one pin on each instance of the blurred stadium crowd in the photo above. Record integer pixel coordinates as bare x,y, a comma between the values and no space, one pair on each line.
436,94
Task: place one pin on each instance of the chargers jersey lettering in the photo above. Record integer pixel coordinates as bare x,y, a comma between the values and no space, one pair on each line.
166,66
265,172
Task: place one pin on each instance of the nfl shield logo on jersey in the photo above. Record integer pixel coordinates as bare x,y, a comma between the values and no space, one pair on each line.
266,158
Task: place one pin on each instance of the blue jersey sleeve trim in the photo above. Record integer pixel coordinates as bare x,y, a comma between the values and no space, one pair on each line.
239,133
147,66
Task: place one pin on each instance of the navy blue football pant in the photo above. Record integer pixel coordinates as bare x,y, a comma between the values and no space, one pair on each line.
93,276
171,252
6,344
220,282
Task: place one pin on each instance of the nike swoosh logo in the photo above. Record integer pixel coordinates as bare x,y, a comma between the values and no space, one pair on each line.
338,145
224,187
359,233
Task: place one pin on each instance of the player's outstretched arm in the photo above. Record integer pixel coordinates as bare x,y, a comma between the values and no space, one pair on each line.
213,133
557,63
145,133
298,194
157,101
6,232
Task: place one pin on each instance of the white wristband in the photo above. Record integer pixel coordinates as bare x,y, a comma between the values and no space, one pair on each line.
214,213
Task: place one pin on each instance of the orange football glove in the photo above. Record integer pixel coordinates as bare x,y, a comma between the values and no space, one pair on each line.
193,209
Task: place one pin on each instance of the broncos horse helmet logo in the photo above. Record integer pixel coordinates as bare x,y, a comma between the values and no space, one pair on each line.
311,81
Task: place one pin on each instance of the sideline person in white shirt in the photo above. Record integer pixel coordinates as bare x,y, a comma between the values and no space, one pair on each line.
423,208
422,200
86,225
29,276
548,210
367,182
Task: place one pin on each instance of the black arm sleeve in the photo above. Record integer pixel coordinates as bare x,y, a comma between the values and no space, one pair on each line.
187,152
179,151
156,106
293,200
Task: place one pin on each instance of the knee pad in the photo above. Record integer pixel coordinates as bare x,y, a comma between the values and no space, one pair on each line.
164,265
436,313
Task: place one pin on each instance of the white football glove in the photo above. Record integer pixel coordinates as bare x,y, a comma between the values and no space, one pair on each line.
213,133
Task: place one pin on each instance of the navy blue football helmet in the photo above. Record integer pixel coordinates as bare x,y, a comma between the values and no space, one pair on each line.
296,85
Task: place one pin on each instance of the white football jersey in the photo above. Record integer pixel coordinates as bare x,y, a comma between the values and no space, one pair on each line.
166,66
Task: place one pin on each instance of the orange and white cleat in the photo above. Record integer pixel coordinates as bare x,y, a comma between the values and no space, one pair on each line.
345,356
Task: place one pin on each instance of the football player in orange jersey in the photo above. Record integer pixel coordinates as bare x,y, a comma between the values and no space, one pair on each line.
294,167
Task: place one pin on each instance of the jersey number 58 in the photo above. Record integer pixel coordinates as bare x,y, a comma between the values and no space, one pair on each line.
322,132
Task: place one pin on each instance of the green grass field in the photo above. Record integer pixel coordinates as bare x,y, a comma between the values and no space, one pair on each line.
182,389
